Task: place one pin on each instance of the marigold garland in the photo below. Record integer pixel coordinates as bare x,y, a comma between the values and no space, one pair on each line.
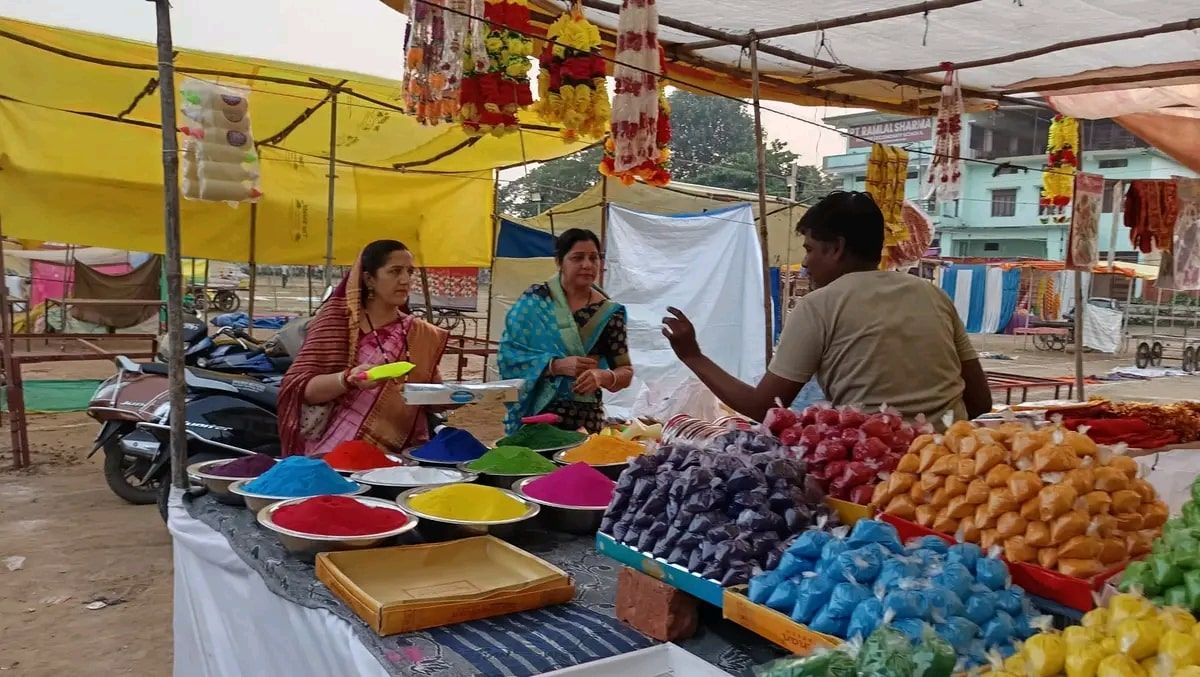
571,84
1058,183
654,171
496,65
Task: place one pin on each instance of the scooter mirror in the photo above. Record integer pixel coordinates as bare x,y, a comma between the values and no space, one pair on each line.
328,292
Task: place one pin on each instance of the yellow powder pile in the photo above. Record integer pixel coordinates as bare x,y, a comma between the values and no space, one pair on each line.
604,449
472,502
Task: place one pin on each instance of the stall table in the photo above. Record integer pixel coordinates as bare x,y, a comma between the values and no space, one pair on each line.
243,606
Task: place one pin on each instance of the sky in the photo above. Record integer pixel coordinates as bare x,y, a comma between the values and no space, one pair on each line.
363,36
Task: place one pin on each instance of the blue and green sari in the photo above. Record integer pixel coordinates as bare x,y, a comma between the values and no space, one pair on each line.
539,328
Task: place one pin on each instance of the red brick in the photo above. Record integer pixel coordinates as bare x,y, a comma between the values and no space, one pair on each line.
654,608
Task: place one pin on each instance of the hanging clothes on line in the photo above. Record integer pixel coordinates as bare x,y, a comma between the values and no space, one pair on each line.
1150,212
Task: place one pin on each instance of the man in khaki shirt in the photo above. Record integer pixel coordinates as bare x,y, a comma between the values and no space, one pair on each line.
871,337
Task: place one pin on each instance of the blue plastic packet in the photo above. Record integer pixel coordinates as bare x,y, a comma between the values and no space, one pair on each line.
992,572
865,618
933,543
829,624
862,565
958,631
809,544
783,597
907,604
979,608
894,569
875,531
845,598
943,603
1009,599
812,594
974,652
762,585
792,564
926,558
966,554
912,628
831,550
998,631
955,578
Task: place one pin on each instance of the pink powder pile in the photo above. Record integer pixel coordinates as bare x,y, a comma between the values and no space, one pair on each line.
578,484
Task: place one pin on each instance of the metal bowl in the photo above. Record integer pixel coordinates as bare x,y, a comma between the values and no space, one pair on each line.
407,453
434,528
398,459
610,470
257,502
498,480
217,485
306,546
390,490
572,519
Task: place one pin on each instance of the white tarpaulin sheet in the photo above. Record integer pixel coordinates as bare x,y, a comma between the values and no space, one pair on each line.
710,267
1101,329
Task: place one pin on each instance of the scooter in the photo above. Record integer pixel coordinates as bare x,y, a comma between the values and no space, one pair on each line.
226,415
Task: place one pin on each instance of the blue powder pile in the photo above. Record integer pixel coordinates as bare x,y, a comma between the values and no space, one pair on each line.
450,445
297,476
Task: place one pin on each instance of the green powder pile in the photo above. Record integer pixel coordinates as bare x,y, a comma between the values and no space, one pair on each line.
542,436
512,461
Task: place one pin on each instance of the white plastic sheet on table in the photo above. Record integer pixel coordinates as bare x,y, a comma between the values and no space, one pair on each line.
709,266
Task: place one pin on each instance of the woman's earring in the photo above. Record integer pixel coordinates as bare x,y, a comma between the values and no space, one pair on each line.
370,292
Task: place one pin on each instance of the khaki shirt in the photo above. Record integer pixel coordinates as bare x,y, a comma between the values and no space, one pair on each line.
879,337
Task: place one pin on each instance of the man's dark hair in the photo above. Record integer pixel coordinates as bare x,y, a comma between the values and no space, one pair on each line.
571,237
851,215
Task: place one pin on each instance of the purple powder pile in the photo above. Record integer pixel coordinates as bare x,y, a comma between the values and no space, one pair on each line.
246,466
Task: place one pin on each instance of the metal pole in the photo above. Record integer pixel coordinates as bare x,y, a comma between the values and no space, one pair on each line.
170,161
207,265
308,276
1116,220
333,106
791,228
253,265
603,223
761,157
1079,395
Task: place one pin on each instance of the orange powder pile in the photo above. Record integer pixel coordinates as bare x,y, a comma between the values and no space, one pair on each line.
603,450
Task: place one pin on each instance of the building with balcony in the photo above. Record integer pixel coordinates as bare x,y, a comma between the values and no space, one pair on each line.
998,214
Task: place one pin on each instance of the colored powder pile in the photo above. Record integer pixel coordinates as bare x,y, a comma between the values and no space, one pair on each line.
541,436
512,461
337,516
358,455
473,502
297,476
246,466
578,484
450,445
412,476
604,450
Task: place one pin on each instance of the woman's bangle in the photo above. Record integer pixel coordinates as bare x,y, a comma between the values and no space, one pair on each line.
343,380
613,374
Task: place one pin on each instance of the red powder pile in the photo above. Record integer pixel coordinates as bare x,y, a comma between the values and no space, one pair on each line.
337,516
358,455
578,484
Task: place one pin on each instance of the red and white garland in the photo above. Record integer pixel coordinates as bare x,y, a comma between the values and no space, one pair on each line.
640,127
945,170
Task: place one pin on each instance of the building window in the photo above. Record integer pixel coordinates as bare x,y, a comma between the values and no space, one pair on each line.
860,178
1004,202
991,246
1110,196
912,175
1114,164
1004,169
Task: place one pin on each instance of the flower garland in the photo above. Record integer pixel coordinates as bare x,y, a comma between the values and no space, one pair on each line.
1058,183
496,68
641,127
945,170
433,41
887,172
571,86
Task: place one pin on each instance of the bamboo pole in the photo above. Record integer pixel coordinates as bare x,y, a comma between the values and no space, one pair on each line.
16,403
487,332
1079,395
761,161
603,224
253,265
333,107
170,161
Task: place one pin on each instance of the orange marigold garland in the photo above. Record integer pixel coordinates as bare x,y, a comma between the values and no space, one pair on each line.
1058,183
571,84
496,65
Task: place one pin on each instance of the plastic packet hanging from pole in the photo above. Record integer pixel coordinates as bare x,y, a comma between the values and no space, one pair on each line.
219,160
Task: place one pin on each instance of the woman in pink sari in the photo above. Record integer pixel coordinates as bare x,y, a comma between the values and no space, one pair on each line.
365,323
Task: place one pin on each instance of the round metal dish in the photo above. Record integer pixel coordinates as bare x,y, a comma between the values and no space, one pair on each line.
436,528
398,459
390,490
425,461
610,470
495,479
257,502
306,546
572,519
217,485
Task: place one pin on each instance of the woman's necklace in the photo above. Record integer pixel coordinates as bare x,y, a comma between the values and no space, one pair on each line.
378,342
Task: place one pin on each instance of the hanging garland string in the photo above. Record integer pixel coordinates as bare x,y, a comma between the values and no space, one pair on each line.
496,66
653,170
571,83
1058,184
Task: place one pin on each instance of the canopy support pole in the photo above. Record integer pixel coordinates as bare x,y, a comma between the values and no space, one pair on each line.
786,299
603,224
207,263
16,398
426,293
170,161
761,162
308,277
333,106
487,332
253,265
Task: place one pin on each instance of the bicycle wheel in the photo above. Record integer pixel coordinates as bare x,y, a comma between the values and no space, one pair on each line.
227,301
1189,360
1156,354
1142,357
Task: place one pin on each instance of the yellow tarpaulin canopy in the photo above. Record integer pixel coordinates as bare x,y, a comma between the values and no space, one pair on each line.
80,157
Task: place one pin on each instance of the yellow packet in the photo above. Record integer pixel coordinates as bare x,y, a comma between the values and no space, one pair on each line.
1176,618
1127,605
1084,661
1119,665
1045,654
1096,618
1138,637
1177,650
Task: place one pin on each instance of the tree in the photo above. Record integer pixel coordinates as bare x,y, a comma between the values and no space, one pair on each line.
713,145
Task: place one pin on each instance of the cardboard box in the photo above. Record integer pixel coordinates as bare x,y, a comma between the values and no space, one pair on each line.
664,660
462,393
772,625
406,588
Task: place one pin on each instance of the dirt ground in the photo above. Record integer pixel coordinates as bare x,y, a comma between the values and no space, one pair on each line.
81,544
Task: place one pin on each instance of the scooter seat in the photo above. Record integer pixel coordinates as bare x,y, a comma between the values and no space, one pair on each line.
265,395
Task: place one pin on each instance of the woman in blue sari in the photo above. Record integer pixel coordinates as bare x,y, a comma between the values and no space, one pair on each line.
567,339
